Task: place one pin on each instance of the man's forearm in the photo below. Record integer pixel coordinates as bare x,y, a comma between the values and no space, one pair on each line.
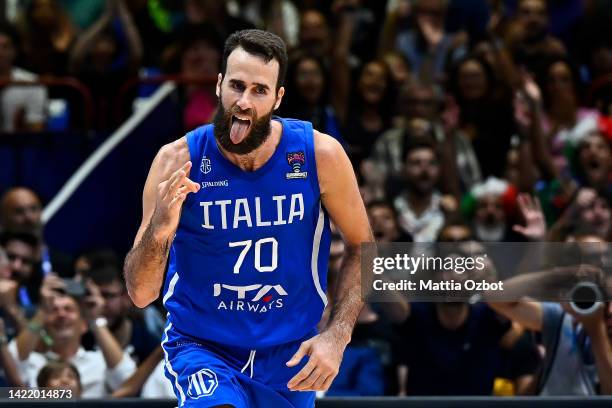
144,267
111,350
28,337
347,299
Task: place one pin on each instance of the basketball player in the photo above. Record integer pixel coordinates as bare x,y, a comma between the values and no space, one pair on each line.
242,207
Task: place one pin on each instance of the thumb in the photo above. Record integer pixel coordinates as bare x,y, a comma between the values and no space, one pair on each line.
299,355
519,228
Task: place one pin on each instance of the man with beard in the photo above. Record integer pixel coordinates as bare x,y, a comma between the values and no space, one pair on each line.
248,235
20,211
489,203
531,40
419,205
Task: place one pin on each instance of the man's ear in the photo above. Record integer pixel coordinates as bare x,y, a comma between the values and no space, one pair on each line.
218,88
279,97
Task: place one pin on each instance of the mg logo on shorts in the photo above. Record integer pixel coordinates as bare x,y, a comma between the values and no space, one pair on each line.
202,384
205,167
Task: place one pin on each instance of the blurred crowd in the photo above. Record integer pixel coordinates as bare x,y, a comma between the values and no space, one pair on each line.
484,120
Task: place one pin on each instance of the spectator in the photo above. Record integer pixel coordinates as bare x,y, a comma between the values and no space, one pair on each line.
25,275
564,119
578,357
426,45
369,110
485,113
65,319
60,375
106,56
126,324
451,349
20,211
216,13
490,206
589,211
22,106
48,35
196,56
528,38
315,34
383,219
307,93
277,16
419,204
455,230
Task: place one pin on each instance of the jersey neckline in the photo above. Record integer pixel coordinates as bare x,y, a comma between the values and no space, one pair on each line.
266,166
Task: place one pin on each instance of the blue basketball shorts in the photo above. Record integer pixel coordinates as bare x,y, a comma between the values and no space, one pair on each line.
207,374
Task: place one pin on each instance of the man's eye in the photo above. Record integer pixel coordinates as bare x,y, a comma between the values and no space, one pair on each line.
261,91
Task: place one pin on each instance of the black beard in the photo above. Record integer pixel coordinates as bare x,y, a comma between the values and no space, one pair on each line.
260,130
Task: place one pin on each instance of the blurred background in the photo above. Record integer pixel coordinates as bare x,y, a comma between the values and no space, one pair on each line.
485,120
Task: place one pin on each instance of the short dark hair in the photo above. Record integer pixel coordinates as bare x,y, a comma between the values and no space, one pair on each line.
29,239
105,275
382,203
260,43
53,368
416,143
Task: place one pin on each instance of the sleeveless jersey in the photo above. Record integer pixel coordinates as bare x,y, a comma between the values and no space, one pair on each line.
248,264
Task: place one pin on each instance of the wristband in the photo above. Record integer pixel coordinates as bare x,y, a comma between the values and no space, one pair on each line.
98,322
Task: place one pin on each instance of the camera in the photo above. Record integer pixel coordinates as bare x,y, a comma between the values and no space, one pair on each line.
74,288
585,298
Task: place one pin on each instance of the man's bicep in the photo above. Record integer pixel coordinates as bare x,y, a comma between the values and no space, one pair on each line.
340,195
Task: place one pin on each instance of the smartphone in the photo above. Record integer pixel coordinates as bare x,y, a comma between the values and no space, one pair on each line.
74,288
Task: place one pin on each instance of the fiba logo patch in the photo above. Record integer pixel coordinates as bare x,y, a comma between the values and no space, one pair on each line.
205,167
202,384
296,160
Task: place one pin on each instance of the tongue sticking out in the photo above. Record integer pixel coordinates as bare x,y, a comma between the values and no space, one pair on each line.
239,130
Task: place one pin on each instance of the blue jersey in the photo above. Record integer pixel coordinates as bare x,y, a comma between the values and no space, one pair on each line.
248,264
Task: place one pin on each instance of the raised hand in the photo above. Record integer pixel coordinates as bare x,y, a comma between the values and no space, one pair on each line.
170,197
535,225
93,303
52,286
324,353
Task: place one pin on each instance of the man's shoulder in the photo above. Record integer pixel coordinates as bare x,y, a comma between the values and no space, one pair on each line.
174,151
326,147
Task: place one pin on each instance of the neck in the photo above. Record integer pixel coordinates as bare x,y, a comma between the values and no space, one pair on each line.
66,349
257,158
418,202
452,319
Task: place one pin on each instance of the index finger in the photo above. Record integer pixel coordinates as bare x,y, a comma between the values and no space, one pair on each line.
302,374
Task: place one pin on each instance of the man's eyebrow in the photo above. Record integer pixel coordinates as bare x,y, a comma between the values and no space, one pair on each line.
236,81
262,85
240,82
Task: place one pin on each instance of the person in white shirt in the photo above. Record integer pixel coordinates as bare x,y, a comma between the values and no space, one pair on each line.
22,106
60,323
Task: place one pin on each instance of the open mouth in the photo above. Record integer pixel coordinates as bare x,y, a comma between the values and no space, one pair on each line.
239,128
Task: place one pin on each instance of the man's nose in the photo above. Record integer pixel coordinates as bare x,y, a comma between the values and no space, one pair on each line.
244,102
